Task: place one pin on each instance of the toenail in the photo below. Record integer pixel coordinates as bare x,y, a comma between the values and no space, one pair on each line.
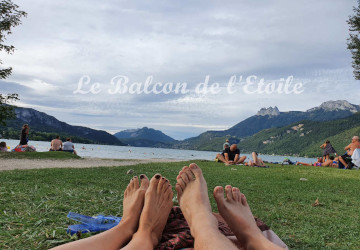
142,176
166,180
163,178
157,176
135,177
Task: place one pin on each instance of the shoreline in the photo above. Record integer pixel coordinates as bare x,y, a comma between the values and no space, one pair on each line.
23,164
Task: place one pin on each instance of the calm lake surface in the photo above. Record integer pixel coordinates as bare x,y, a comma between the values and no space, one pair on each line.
127,152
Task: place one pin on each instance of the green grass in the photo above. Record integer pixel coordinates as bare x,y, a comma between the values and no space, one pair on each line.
38,155
34,203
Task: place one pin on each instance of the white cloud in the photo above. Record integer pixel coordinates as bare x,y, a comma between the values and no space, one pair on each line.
179,42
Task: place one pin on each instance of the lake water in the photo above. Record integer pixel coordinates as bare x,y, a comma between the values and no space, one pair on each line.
127,152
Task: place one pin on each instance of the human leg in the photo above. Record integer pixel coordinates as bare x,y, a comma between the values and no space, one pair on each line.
119,235
237,214
194,202
327,163
303,163
341,159
221,158
241,159
158,203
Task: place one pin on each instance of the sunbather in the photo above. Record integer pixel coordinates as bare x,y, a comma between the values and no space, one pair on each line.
256,161
147,207
332,162
345,159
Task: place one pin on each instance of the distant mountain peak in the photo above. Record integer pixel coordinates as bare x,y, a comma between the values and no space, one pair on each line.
336,106
144,133
269,111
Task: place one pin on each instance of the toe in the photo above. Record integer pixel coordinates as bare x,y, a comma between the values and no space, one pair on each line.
219,195
166,184
196,170
163,184
229,195
135,182
144,181
189,174
131,184
179,191
154,182
168,191
236,194
181,182
243,200
185,178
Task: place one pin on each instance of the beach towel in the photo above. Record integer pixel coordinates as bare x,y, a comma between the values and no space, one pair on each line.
176,234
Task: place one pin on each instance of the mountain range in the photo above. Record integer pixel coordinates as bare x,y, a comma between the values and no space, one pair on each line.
268,131
145,137
45,127
267,118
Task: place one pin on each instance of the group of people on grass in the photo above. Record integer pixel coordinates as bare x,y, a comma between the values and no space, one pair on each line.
56,144
231,156
345,161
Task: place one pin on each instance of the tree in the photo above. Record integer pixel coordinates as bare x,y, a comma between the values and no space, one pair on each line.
10,17
353,43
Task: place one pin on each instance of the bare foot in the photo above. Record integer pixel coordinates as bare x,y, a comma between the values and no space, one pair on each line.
237,214
194,201
133,203
158,203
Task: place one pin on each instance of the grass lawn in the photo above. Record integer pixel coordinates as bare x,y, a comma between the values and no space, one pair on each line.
34,203
38,155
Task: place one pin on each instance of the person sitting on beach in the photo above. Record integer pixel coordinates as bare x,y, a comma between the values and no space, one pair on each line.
226,144
3,147
56,144
345,159
69,146
231,156
256,161
24,134
147,206
331,162
327,150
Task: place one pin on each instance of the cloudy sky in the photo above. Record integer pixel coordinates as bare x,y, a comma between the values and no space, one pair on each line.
61,42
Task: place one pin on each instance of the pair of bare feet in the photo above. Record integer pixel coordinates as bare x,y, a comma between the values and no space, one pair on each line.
147,205
194,202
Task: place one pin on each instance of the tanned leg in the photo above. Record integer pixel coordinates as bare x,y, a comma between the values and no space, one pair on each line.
241,159
194,202
237,214
119,235
158,203
221,158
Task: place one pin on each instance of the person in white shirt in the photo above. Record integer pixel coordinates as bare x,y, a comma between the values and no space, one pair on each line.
68,146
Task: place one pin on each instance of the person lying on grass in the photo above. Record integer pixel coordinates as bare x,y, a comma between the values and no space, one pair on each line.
231,156
146,208
332,162
256,161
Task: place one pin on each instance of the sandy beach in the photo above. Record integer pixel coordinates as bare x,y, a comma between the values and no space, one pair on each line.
11,164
